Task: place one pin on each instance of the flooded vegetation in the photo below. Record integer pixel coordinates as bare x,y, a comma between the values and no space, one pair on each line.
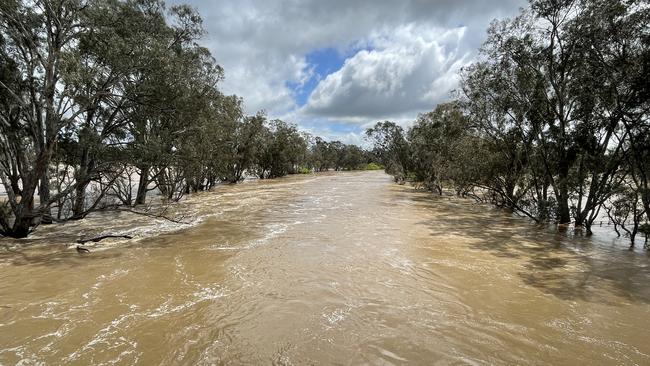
149,216
333,268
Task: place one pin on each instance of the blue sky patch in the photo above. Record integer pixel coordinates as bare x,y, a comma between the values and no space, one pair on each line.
324,61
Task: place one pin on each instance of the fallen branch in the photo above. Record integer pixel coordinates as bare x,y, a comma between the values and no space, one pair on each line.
155,216
99,238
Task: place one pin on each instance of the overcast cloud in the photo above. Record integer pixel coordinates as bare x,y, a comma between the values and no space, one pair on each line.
335,67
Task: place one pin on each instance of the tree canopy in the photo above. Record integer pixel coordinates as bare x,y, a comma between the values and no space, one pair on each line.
104,101
550,122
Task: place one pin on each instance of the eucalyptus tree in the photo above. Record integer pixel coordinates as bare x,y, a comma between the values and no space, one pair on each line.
97,97
325,155
38,37
539,78
321,155
336,152
520,98
12,134
125,46
288,148
434,140
353,157
612,38
392,148
244,141
91,88
510,166
175,97
617,45
552,119
626,211
282,148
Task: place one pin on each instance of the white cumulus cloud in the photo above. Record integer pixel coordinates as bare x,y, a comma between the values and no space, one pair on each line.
408,69
407,58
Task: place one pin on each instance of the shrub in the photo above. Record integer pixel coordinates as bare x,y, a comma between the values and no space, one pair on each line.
373,166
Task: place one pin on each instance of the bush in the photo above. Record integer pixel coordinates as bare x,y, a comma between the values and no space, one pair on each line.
373,166
303,170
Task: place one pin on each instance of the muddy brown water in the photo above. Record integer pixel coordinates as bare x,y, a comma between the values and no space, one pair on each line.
344,268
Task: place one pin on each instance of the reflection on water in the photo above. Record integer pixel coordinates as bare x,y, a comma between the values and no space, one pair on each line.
329,269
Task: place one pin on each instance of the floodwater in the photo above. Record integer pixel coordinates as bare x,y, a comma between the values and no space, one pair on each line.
339,268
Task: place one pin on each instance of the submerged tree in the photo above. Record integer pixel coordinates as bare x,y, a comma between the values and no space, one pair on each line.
555,111
102,102
38,39
392,148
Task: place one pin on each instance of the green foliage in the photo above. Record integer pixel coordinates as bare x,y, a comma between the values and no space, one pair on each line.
550,122
372,166
392,149
102,102
335,155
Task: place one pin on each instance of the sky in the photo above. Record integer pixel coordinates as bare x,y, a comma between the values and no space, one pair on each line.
336,67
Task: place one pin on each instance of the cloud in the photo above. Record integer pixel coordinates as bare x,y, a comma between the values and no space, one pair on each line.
401,55
410,69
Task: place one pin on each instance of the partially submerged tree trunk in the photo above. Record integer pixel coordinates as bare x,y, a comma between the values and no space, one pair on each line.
102,237
143,184
44,196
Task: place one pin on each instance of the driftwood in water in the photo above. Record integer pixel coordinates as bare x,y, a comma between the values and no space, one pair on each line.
82,250
99,238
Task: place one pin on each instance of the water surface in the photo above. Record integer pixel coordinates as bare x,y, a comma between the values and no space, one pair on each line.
344,268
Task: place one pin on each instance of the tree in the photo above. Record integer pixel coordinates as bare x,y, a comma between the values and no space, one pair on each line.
392,148
283,149
434,140
38,37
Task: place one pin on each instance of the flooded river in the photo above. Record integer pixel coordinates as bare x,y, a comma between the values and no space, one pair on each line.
344,268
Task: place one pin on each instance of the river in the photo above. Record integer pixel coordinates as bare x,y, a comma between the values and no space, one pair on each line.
336,268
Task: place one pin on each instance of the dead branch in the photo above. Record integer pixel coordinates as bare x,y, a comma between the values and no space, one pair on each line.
155,215
100,238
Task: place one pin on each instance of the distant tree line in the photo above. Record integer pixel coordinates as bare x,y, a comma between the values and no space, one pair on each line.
551,122
104,101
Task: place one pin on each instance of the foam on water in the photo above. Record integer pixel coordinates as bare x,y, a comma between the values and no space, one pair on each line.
327,269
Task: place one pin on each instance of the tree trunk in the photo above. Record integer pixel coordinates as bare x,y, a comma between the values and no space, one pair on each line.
564,213
79,200
44,196
21,227
510,195
24,216
143,183
13,179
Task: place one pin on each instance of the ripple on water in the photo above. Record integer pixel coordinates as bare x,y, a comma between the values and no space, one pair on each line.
331,269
